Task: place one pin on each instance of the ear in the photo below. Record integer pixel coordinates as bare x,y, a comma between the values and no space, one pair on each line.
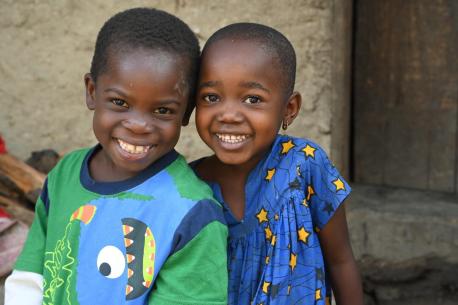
292,107
90,91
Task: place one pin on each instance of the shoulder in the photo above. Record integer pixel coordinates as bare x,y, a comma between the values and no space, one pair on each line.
205,213
300,149
70,162
305,158
187,183
67,172
76,156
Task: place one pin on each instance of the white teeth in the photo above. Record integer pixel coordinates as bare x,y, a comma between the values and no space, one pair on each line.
133,149
232,138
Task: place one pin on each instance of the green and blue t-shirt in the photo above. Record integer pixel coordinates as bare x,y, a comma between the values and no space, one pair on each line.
156,238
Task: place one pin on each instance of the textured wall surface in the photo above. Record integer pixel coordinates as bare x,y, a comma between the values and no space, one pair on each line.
47,47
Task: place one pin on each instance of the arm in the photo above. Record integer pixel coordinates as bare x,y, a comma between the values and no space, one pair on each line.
197,273
25,284
345,279
23,287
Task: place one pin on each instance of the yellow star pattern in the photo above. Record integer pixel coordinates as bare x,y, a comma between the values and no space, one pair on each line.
262,216
303,235
292,261
274,240
267,260
304,202
265,287
310,192
268,233
318,294
309,151
276,217
286,146
339,184
270,174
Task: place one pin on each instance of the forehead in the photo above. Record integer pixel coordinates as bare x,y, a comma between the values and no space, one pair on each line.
251,57
147,67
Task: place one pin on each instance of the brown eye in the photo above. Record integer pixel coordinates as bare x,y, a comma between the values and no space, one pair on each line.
120,103
162,110
211,98
252,100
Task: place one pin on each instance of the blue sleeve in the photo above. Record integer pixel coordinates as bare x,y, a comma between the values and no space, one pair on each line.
325,189
196,271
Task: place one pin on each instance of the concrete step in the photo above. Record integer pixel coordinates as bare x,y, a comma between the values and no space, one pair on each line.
406,244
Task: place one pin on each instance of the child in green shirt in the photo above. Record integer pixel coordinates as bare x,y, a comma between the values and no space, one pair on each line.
127,221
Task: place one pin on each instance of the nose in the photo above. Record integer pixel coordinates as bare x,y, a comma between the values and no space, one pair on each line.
230,113
139,123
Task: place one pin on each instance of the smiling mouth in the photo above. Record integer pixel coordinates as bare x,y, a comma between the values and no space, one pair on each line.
133,149
231,138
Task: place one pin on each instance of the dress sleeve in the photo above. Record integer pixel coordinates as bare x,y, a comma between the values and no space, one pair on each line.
197,273
32,255
325,188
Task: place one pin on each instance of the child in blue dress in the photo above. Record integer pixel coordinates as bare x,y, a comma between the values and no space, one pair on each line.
288,238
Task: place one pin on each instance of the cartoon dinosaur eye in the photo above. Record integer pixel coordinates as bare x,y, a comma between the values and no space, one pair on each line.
111,262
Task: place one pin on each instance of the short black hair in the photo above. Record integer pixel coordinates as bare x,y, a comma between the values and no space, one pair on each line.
270,39
150,29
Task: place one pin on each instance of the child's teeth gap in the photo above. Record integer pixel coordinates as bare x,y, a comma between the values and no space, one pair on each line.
133,149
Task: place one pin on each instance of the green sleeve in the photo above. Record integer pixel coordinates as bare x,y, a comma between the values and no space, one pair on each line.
32,255
196,274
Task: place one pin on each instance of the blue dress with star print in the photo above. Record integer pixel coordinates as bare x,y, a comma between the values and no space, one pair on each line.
274,255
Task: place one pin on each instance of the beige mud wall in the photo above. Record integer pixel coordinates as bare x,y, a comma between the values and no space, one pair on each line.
47,45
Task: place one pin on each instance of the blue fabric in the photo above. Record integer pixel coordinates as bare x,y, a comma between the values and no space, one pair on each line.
204,212
274,255
109,247
110,188
44,195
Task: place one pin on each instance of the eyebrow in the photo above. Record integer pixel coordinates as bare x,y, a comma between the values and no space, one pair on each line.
250,84
162,102
209,84
168,102
254,85
116,91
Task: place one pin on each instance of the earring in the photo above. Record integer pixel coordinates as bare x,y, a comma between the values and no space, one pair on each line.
284,126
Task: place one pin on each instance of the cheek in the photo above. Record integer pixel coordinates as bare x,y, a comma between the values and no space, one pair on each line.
202,119
97,123
102,120
170,132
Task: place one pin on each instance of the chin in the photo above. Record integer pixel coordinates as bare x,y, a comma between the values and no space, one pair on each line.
232,159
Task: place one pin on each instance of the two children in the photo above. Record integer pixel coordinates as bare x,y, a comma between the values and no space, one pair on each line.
282,197
288,238
127,221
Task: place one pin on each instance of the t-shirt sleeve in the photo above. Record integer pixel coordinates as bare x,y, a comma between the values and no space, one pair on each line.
32,255
195,274
326,188
23,287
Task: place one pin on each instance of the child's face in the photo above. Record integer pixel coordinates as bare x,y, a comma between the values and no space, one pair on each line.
138,104
240,101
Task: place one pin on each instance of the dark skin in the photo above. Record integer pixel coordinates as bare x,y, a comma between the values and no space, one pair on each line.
335,243
139,105
240,106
